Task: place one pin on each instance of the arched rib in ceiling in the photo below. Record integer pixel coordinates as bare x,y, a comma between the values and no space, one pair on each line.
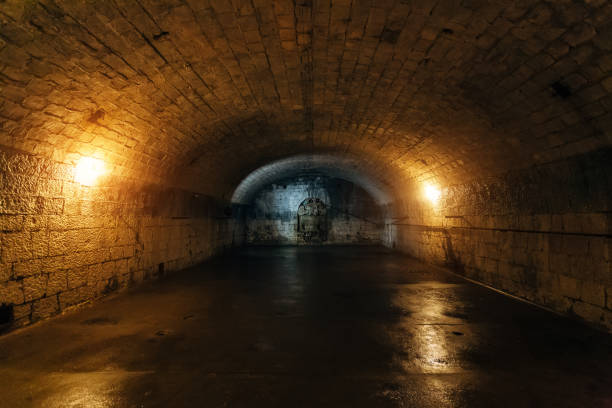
345,167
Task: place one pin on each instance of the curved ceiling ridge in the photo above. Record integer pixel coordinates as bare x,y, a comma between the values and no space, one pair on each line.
332,165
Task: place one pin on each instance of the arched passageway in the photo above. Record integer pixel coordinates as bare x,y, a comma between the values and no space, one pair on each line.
139,138
359,207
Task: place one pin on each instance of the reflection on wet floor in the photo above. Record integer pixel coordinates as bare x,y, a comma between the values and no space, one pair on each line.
326,326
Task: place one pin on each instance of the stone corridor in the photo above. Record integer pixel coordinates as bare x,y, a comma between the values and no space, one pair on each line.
247,203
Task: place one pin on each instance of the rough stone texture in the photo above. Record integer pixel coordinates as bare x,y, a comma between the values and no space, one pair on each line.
543,234
352,215
64,244
420,89
193,95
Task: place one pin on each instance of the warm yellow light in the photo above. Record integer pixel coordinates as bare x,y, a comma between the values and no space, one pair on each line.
88,170
432,193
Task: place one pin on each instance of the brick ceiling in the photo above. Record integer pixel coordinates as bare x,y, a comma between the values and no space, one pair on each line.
206,91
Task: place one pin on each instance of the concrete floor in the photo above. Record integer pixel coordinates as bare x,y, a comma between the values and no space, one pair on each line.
306,327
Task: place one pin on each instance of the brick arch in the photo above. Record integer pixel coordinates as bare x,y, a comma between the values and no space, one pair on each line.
332,165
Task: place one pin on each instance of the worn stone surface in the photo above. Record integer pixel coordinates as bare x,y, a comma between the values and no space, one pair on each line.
308,327
188,97
64,244
351,215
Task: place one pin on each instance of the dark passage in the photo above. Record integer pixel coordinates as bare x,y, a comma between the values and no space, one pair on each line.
305,327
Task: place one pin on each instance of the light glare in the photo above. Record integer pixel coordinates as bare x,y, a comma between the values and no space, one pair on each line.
88,170
432,193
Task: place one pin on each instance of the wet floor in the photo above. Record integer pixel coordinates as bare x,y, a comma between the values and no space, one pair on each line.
308,327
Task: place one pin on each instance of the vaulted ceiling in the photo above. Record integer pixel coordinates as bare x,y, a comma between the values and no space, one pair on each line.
205,91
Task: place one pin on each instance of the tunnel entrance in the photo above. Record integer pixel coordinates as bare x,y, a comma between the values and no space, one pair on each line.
312,220
312,209
326,199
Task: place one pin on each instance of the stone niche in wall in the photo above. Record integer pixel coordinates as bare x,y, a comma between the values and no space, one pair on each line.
313,210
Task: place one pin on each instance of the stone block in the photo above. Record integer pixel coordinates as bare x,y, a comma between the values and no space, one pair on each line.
548,283
572,223
35,223
557,223
44,308
39,244
601,271
11,223
520,256
77,277
593,293
539,260
53,206
137,276
34,287
58,243
588,312
70,298
116,252
16,247
95,273
569,287
57,282
34,103
22,311
28,268
6,272
108,270
121,267
595,223
53,263
11,292
88,292
558,263
575,245
598,247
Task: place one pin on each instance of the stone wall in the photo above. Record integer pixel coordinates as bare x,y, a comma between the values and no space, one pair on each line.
64,243
352,215
543,234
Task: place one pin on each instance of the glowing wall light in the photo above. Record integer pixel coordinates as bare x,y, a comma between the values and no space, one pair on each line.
88,170
432,193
